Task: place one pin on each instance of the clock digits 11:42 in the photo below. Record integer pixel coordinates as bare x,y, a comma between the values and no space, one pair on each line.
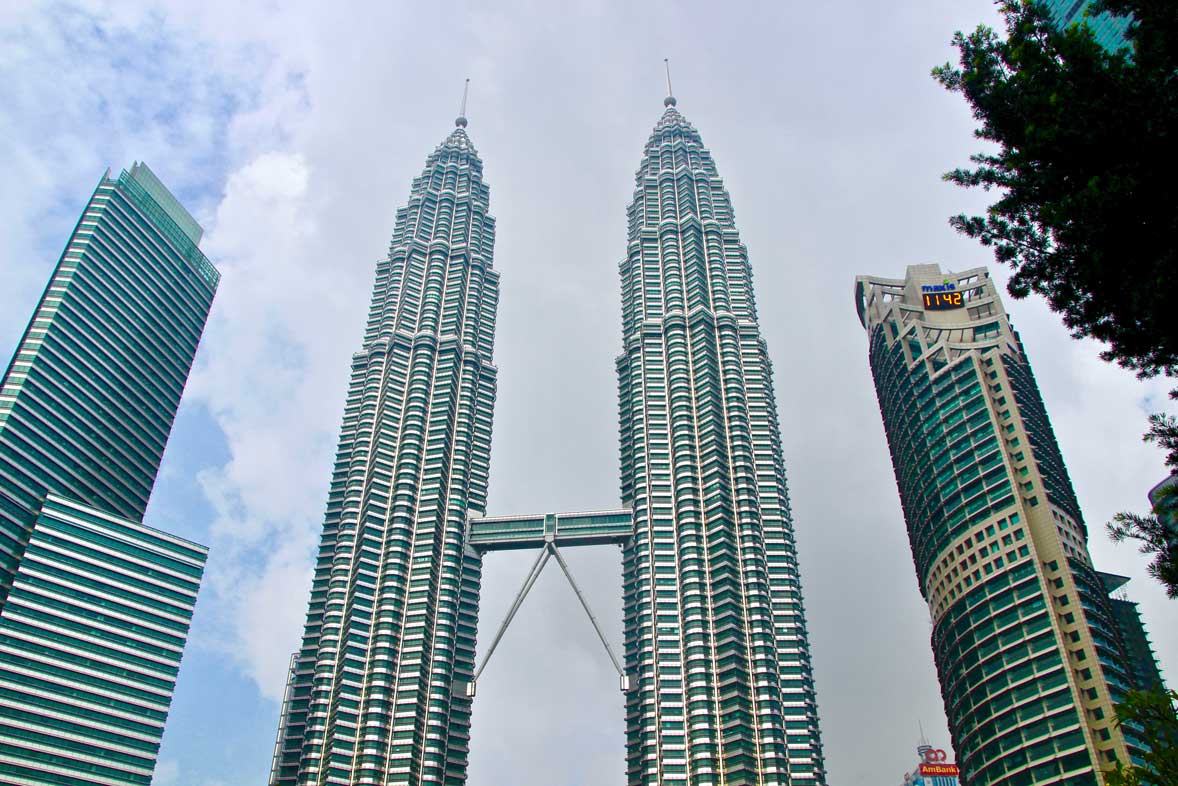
938,301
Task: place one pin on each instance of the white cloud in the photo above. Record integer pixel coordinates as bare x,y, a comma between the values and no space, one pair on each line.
274,386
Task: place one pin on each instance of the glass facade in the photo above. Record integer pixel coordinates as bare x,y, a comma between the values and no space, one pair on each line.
716,646
717,665
1028,648
1108,29
376,692
90,646
88,401
95,607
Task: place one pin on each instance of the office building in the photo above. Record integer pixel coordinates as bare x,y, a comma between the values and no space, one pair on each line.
716,640
394,598
933,769
716,672
90,644
86,406
1163,501
1028,643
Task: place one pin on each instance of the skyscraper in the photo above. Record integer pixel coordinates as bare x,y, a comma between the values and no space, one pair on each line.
394,596
717,667
90,646
716,641
934,768
1028,644
95,607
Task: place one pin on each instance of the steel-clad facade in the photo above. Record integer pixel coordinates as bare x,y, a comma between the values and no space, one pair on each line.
394,599
715,635
717,667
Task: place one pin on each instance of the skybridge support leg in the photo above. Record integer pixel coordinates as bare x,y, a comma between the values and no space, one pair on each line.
529,582
549,550
622,679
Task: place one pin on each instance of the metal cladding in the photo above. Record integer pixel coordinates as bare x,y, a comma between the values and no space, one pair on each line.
715,636
717,671
391,624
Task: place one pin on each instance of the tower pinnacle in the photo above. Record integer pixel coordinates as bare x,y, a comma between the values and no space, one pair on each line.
460,121
670,99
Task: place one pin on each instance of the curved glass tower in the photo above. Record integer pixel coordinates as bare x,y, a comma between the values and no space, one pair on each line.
1030,649
394,598
716,646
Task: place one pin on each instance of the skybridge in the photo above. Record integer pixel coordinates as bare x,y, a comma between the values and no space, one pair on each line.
547,532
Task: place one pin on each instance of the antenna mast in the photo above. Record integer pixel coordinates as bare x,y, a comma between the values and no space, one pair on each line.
670,99
461,120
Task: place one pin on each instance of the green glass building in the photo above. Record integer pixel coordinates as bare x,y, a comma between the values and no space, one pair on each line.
1031,650
90,644
716,642
1108,29
375,692
716,669
86,406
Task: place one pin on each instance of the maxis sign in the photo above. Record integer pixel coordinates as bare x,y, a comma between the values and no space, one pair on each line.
941,296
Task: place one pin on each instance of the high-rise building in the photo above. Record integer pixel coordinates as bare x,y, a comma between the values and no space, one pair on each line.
95,607
394,597
717,666
1108,29
934,768
1029,647
716,640
90,646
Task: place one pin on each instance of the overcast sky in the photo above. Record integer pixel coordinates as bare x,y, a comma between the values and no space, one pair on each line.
293,133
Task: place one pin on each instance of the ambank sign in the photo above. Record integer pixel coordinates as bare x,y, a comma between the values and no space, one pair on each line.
939,770
935,763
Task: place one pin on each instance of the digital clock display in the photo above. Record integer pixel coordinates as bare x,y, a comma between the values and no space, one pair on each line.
939,301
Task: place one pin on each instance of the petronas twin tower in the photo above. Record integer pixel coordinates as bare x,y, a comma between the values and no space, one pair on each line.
716,666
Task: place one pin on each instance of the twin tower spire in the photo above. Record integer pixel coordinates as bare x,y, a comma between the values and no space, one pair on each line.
716,668
461,121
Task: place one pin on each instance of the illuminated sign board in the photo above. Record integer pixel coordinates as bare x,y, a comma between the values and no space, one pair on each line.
940,297
934,761
940,301
939,770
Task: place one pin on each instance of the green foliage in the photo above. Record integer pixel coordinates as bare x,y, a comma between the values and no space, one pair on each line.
1081,154
1085,169
1157,534
1163,430
1153,711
